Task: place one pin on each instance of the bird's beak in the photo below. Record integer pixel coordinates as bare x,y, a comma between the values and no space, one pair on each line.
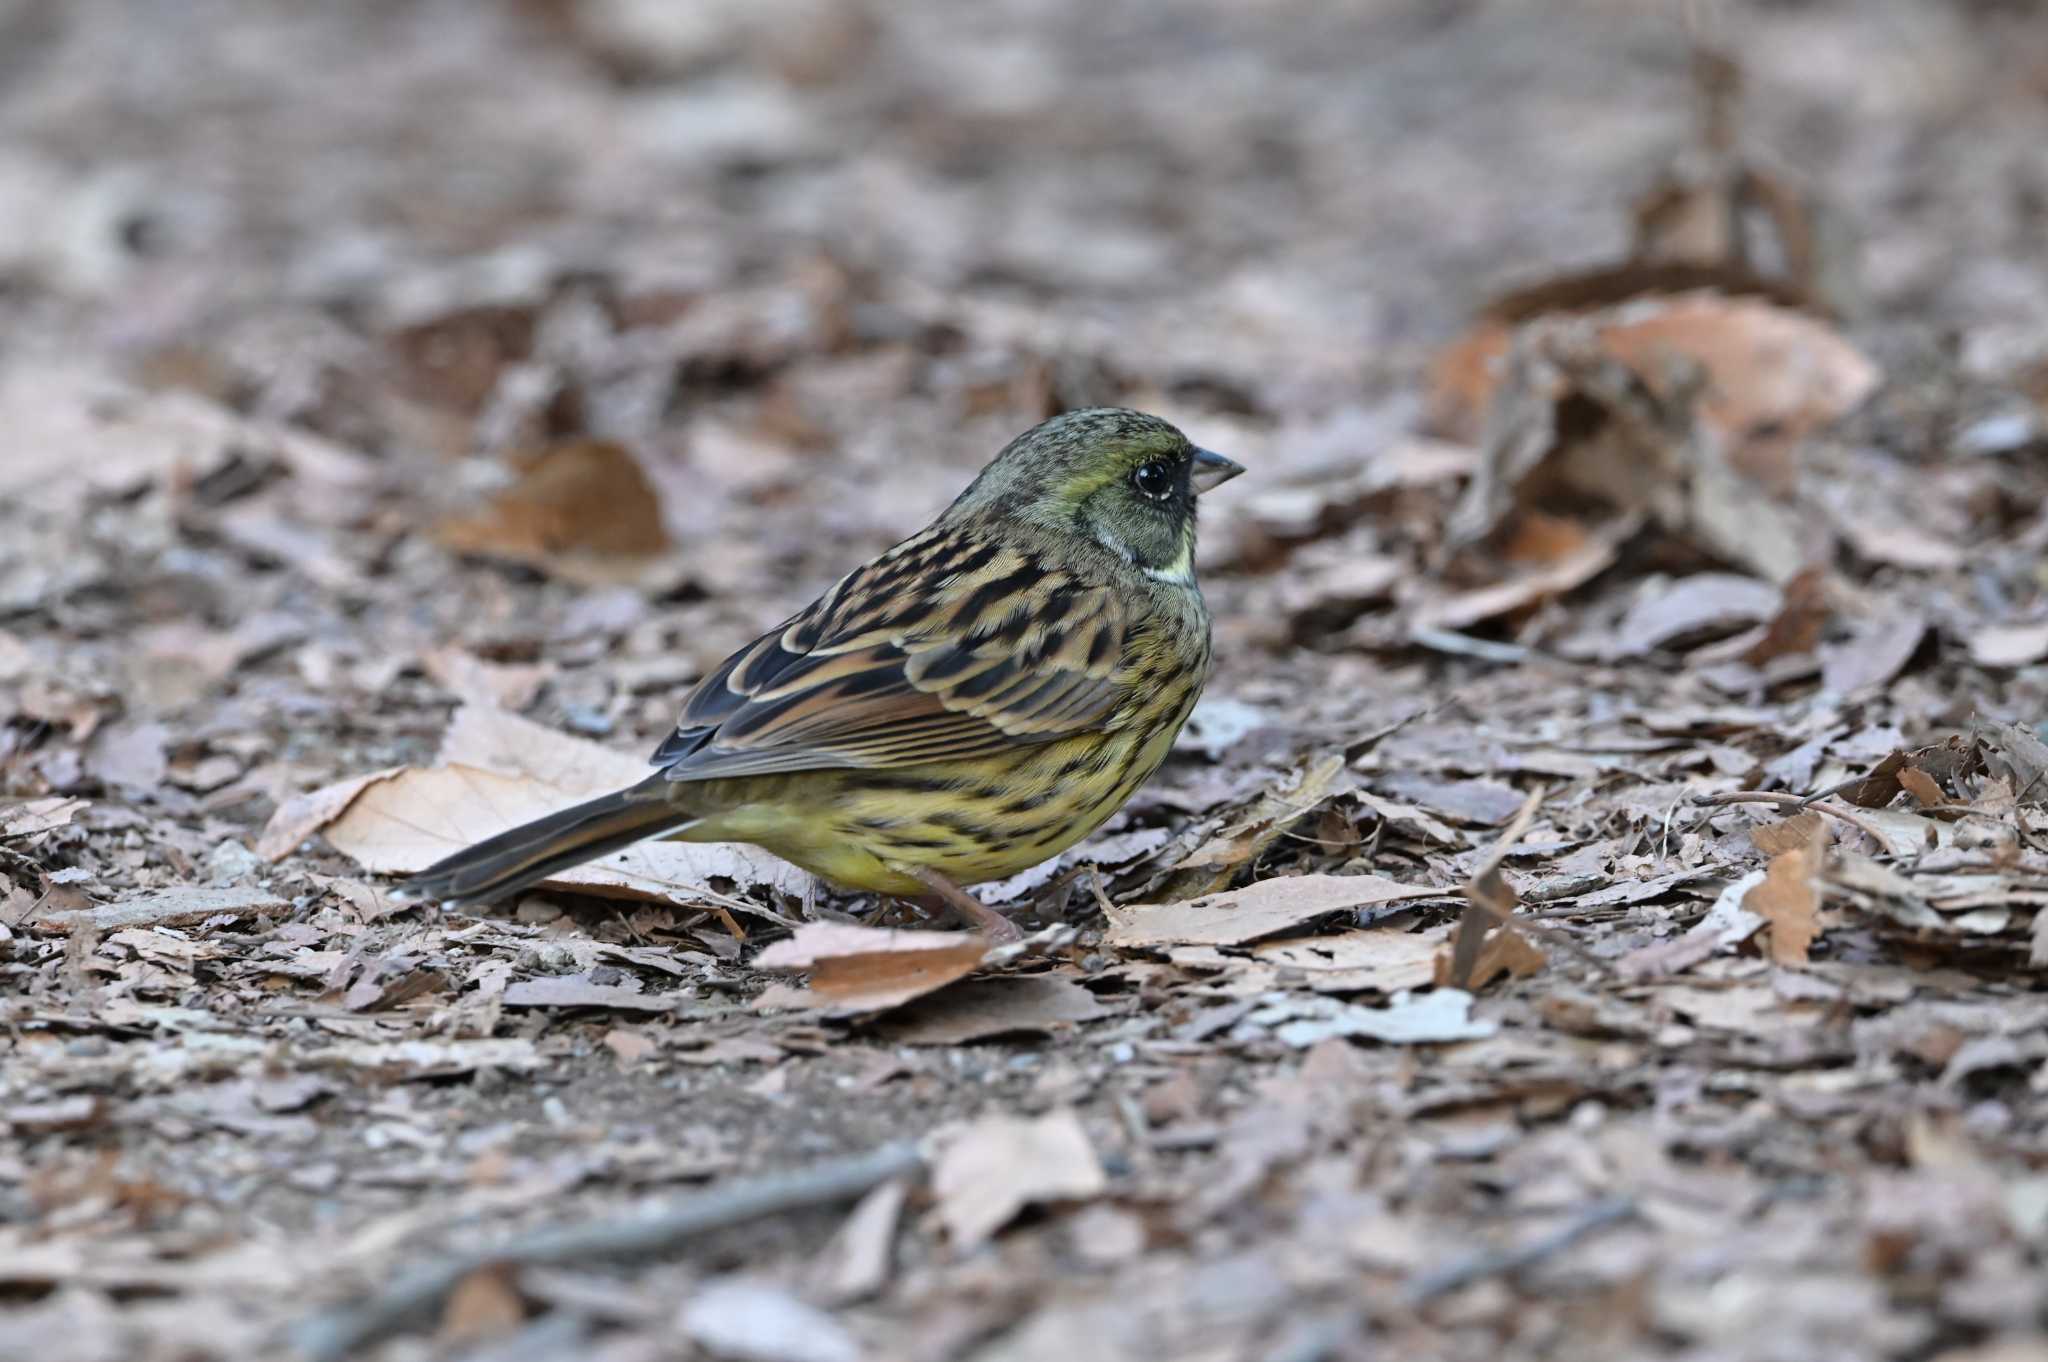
1212,470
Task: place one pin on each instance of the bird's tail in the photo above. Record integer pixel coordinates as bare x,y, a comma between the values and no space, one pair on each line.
531,852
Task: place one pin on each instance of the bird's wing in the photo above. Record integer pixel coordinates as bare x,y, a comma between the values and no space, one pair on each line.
946,647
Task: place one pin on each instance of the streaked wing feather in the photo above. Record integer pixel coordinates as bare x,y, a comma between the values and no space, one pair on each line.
943,649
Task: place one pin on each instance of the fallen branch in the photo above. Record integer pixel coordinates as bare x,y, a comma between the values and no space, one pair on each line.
341,1333
1790,801
1462,1272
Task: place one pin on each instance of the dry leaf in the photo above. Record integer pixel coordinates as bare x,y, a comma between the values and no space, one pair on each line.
1775,839
1707,602
1788,899
38,815
1247,838
477,682
1485,803
856,1263
1876,650
1773,375
1921,786
586,496
2010,645
1798,625
505,770
1000,1164
857,969
1505,951
977,1009
1380,960
303,815
1592,558
484,1304
631,1047
1729,922
759,1321
1262,909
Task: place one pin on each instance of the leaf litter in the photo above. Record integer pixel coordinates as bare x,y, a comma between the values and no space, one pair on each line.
420,515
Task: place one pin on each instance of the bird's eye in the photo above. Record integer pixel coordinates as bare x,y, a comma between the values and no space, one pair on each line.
1154,480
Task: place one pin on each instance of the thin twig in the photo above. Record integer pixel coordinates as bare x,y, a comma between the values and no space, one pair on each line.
1462,1272
344,1332
1790,801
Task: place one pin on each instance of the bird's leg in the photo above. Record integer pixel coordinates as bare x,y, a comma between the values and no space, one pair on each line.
970,910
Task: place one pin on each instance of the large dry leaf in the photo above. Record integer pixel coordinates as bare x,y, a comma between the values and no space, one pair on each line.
1874,652
38,815
1000,1164
1379,960
1525,589
857,969
1262,909
1004,1005
1773,375
501,771
1704,602
574,506
303,815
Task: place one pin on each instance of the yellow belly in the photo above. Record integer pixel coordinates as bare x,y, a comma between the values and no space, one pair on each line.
970,821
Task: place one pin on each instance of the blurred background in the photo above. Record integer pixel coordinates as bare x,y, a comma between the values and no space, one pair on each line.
808,263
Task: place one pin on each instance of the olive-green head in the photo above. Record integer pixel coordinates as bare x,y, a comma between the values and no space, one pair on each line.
1126,480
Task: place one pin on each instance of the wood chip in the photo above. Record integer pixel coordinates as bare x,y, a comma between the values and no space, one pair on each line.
182,906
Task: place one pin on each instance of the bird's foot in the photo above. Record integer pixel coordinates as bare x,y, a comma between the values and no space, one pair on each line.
970,910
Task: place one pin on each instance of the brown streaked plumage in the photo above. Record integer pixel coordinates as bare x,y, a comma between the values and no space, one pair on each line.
971,702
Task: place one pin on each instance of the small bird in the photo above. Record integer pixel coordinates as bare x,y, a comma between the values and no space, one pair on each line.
971,702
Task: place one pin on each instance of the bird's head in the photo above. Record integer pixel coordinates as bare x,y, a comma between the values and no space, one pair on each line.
1126,480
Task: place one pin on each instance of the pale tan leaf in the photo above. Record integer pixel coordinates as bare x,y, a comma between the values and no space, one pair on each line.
998,1165
1788,900
1378,959
407,822
857,969
1262,909
303,815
